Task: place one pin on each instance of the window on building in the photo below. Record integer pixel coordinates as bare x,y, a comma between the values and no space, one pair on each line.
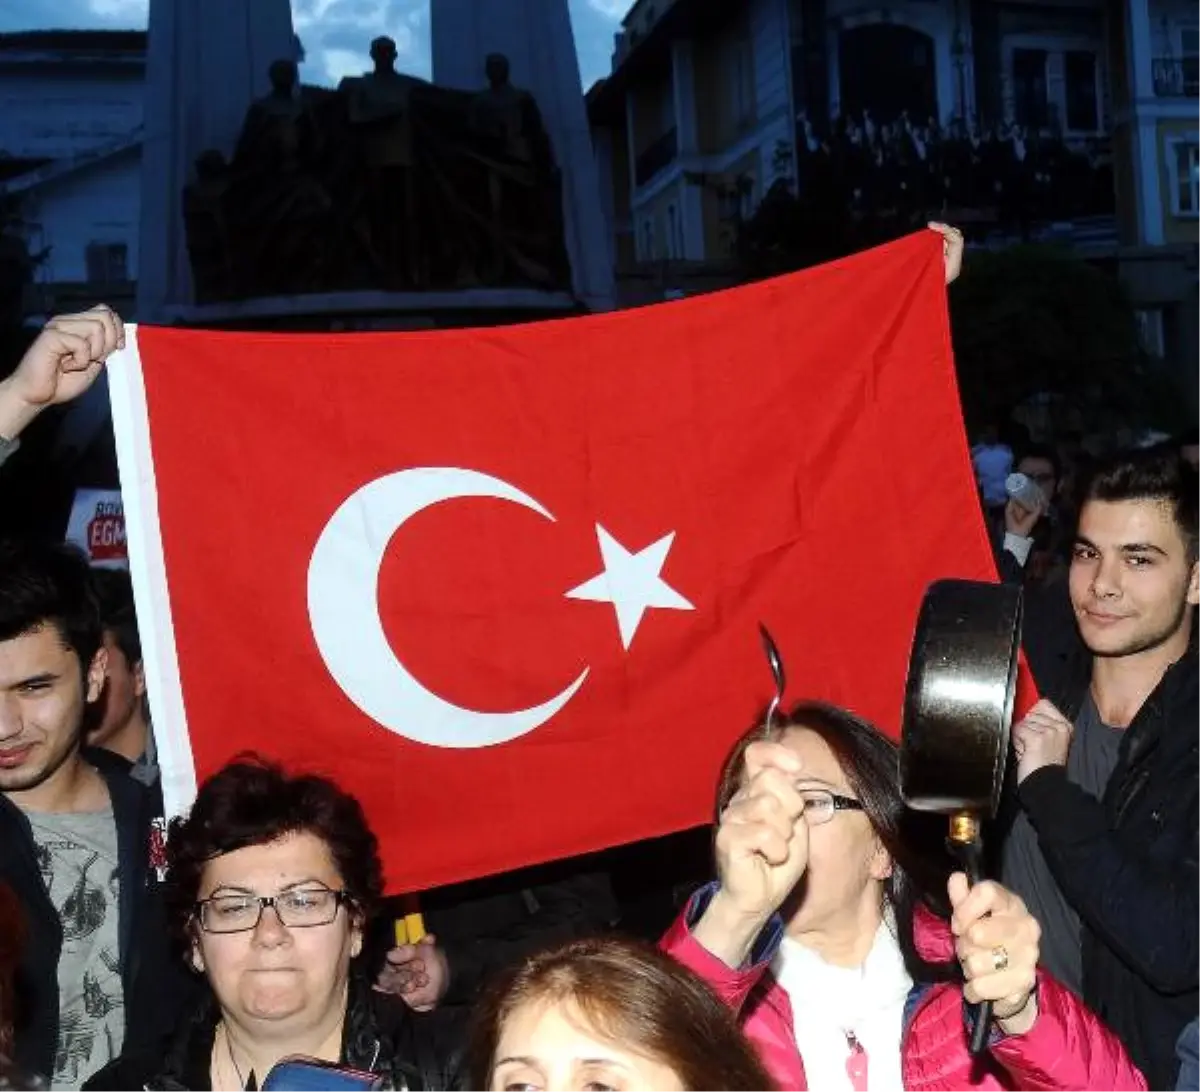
1031,99
647,254
674,235
1189,52
1083,109
746,194
107,263
1184,161
1150,330
743,82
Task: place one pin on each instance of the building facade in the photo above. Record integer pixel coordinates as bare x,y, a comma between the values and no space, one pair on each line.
70,154
694,124
710,103
755,74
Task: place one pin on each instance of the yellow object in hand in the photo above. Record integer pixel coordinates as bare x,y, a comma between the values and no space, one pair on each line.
414,927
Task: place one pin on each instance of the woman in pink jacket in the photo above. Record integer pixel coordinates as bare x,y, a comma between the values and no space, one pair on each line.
838,935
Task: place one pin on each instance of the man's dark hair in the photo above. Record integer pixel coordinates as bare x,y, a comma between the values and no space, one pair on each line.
114,592
1040,451
1150,474
49,584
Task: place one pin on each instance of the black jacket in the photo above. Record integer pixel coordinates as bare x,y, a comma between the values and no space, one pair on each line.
154,985
487,926
1126,863
380,1036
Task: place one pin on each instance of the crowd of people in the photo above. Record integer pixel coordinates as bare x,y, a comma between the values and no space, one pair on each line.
910,168
836,946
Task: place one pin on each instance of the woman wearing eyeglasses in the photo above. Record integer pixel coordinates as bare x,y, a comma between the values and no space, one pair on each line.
838,935
271,880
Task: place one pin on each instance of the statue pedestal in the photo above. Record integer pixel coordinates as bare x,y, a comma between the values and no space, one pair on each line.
378,310
536,37
206,61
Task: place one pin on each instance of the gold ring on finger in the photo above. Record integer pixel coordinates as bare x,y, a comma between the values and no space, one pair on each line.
1000,958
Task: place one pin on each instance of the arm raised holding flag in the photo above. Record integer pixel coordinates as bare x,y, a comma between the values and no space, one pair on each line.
62,363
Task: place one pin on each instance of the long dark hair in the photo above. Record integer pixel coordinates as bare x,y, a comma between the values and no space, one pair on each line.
914,841
633,995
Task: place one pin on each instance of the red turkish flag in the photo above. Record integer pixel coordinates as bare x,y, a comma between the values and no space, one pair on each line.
504,584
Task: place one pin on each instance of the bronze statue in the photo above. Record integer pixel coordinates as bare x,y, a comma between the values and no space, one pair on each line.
510,116
522,179
334,191
278,128
206,227
276,204
379,104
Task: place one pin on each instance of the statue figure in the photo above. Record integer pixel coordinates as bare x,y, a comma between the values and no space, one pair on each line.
207,229
277,205
338,191
278,129
510,116
379,106
523,185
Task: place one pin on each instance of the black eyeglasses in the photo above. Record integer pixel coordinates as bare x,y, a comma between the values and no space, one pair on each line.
301,908
820,805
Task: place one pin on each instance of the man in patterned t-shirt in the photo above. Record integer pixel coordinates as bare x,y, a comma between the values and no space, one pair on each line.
75,834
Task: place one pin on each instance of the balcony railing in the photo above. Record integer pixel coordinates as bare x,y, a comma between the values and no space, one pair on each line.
657,157
1176,77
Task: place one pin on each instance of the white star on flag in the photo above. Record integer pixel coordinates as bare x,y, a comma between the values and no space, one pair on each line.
631,582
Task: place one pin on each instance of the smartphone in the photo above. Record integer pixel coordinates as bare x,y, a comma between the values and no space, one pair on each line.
311,1075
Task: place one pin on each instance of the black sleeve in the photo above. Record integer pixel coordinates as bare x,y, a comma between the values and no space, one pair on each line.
1010,569
130,1070
431,1048
575,906
1144,911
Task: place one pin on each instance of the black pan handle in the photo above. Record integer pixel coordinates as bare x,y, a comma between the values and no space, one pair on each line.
970,856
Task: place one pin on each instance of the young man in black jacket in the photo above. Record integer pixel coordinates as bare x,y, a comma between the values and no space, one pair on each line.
1104,851
77,837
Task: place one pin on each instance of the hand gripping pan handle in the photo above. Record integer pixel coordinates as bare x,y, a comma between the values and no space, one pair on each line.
958,706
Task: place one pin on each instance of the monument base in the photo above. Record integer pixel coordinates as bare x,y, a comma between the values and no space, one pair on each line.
378,310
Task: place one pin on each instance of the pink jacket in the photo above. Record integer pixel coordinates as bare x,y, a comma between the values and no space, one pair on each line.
1067,1047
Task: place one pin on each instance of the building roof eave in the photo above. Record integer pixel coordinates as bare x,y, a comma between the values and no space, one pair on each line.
61,168
683,19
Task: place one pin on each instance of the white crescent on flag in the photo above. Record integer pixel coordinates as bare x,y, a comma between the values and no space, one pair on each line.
343,607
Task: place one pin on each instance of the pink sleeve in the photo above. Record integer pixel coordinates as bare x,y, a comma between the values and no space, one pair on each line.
1067,1048
729,985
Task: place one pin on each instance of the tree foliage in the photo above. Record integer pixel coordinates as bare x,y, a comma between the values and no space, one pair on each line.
1029,322
1035,322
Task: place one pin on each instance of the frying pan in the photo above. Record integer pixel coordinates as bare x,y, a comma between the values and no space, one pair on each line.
958,706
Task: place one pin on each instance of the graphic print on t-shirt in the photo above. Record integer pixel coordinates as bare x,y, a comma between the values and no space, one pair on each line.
77,856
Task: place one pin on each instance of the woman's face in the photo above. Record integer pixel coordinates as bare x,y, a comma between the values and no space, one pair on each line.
549,1047
274,974
847,864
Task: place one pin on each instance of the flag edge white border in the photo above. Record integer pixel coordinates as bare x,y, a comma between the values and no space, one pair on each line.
148,572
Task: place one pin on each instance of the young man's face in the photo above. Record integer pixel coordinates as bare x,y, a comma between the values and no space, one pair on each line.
43,692
1131,581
